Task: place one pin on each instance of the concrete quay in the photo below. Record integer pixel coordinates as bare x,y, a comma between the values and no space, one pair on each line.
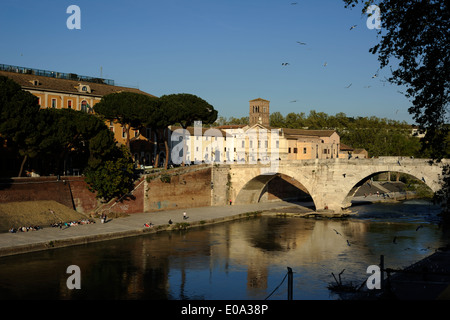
132,225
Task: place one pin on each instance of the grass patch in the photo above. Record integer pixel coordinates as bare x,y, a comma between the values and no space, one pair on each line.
35,213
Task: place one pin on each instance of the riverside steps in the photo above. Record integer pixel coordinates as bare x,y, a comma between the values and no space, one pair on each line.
133,225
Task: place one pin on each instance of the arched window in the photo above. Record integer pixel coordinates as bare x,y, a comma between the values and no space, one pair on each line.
84,105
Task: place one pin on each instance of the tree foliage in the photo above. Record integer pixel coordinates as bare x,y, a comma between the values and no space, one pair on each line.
18,112
185,108
113,176
415,44
127,108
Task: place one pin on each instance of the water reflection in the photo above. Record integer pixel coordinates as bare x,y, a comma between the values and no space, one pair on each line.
244,259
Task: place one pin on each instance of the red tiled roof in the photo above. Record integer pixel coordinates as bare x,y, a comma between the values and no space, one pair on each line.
65,85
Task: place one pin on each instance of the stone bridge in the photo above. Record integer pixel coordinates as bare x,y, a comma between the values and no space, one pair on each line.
331,183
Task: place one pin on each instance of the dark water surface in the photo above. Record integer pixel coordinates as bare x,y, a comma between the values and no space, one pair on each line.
245,259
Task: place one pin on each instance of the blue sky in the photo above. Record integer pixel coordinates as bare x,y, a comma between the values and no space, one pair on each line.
227,52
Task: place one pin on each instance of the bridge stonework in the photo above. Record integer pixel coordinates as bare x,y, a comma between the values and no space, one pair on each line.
331,183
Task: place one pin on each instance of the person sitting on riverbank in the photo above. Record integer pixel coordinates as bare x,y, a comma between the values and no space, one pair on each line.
148,225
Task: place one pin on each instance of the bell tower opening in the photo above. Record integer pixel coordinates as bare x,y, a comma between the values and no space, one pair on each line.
259,112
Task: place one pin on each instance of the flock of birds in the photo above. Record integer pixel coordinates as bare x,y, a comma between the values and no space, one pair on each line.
284,64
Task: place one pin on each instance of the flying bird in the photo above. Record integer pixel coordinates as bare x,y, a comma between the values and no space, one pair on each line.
348,243
337,232
349,85
325,64
302,43
284,63
353,27
293,101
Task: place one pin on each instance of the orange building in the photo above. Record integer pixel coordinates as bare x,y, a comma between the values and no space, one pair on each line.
67,90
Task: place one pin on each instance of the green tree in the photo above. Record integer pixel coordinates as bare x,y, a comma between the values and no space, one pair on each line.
185,108
18,112
113,176
415,36
277,120
68,134
127,108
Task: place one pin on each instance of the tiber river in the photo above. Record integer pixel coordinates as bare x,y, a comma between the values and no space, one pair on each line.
245,259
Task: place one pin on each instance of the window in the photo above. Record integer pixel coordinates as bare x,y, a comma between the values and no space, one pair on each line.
278,144
251,144
136,133
69,104
84,106
124,133
84,88
304,150
53,103
289,150
243,143
111,126
266,143
295,150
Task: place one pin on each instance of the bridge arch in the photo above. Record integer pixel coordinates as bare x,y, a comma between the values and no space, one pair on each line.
251,189
420,176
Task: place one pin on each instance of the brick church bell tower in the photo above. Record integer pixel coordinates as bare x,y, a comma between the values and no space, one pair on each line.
259,112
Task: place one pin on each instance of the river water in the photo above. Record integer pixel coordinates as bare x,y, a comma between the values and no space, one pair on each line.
239,260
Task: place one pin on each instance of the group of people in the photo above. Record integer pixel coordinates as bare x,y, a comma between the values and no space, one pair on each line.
71,223
24,229
378,194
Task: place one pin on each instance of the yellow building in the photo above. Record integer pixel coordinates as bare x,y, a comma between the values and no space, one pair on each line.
311,144
67,90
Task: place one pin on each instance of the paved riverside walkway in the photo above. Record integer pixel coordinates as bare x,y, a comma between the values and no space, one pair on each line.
132,225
